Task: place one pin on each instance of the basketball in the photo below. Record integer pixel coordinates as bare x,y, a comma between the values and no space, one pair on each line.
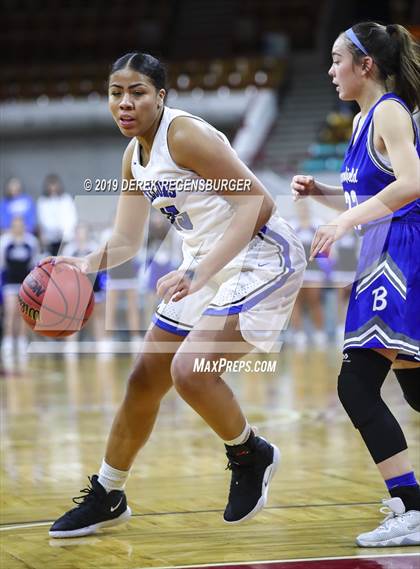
56,300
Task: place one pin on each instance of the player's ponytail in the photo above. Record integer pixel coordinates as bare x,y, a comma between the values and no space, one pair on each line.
407,72
396,55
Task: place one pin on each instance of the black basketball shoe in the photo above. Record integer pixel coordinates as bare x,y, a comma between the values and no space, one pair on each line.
253,465
95,509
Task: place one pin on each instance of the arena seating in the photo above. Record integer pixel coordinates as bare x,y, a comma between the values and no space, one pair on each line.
55,49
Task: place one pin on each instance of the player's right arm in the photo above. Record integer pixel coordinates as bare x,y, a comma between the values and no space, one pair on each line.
128,230
331,196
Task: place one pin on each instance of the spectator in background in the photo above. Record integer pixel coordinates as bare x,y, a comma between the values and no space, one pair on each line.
163,255
57,216
123,284
17,203
19,251
81,245
345,254
309,301
337,126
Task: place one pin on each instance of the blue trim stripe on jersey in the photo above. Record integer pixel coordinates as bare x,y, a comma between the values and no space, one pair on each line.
280,240
377,329
374,155
268,235
169,327
385,266
375,333
248,304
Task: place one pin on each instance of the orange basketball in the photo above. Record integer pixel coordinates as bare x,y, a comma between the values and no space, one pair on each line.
56,300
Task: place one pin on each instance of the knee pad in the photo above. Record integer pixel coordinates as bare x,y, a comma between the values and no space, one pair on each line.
409,380
359,387
362,375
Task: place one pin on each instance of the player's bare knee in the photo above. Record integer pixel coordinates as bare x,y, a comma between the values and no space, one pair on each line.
182,373
148,383
186,379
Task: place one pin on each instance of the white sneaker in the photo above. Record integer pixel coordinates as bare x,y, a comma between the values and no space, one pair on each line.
398,528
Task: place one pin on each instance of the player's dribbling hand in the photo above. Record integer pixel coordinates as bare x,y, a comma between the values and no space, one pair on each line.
178,284
302,186
80,263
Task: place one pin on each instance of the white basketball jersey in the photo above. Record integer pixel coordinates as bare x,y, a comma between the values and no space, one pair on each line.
201,217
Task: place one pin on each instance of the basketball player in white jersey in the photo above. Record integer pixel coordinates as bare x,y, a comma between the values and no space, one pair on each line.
242,269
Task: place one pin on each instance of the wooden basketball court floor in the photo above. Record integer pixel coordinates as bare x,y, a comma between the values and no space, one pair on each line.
56,414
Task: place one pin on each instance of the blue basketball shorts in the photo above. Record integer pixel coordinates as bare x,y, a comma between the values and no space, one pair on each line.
384,306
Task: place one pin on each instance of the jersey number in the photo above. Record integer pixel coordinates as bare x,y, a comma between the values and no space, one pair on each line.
351,201
180,220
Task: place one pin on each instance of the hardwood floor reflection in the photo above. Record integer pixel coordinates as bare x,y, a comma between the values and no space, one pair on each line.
56,414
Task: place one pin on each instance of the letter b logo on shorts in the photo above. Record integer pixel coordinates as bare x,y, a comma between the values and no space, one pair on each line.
379,298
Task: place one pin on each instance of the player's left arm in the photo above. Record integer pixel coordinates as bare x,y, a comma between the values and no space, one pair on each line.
193,145
394,126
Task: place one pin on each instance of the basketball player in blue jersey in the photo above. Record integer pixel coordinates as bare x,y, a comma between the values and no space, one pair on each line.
379,67
243,266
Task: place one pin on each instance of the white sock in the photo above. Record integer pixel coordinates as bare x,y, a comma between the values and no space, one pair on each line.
243,437
112,478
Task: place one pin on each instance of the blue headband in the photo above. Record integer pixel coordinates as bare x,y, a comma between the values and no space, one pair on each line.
355,40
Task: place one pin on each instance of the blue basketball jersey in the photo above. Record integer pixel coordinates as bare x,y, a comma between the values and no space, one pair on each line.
384,305
365,172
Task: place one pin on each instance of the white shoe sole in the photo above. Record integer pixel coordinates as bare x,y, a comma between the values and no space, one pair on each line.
405,540
268,475
88,530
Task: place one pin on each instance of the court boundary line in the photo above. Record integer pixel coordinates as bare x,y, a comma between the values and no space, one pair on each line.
272,561
20,525
24,525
